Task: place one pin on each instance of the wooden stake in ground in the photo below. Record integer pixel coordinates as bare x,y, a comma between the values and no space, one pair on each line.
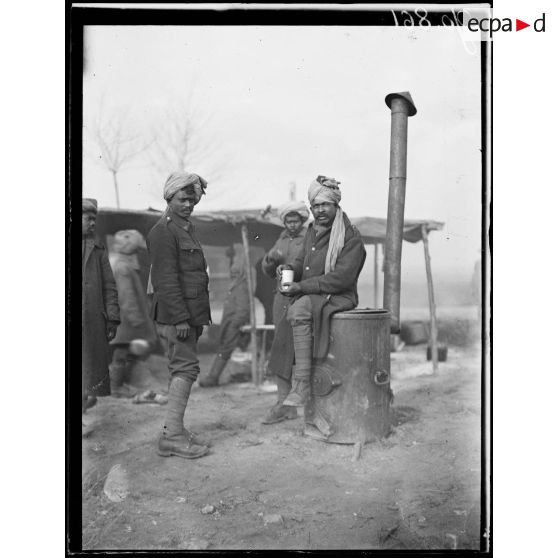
253,334
433,324
376,275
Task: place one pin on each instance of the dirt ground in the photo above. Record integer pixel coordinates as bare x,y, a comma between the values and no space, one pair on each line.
273,488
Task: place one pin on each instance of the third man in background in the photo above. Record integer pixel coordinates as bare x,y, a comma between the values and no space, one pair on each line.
294,215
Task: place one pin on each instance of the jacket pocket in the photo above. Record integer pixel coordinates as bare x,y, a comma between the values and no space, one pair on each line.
190,292
191,257
187,245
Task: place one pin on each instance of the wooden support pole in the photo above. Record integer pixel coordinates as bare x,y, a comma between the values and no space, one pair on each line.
262,355
376,276
433,324
253,334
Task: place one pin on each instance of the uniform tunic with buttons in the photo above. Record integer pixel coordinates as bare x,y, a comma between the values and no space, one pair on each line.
180,286
331,292
178,273
290,247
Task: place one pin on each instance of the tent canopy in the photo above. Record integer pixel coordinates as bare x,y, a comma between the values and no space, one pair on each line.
373,229
216,228
223,228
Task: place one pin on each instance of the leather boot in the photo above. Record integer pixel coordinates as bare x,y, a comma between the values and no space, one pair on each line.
302,337
299,394
280,412
175,439
212,379
181,445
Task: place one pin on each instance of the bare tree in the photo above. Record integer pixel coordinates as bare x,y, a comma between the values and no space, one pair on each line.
118,143
182,140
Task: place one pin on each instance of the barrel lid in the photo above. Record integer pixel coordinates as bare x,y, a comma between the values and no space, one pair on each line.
403,95
362,314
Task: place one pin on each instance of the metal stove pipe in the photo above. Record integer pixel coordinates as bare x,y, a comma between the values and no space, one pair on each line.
402,106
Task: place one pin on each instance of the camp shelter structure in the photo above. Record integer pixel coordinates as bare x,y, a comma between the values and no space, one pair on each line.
260,228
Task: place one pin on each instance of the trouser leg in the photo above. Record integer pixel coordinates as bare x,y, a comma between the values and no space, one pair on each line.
299,316
183,353
229,337
179,393
183,365
183,369
212,379
120,367
283,389
302,338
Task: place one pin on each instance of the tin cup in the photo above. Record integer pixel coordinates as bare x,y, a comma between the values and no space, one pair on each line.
287,277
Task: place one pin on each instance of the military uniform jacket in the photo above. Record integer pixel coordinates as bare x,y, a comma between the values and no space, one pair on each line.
178,273
329,292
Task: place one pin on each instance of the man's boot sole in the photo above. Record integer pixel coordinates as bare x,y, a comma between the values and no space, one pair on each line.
169,453
281,419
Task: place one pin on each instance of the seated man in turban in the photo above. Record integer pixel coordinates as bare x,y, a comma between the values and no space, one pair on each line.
136,323
294,215
325,282
180,305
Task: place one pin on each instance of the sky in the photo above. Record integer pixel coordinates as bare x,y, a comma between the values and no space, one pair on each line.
280,105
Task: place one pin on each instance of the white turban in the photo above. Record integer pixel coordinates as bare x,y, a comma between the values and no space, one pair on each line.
128,241
179,180
324,189
294,207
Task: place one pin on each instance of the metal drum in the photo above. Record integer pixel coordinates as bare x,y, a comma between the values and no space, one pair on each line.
351,392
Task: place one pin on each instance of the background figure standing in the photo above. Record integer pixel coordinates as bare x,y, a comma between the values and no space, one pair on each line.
180,304
288,246
100,313
136,323
236,313
265,291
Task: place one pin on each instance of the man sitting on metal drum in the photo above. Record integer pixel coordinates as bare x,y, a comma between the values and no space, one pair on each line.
325,280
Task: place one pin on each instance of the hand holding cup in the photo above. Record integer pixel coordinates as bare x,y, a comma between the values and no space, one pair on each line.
287,277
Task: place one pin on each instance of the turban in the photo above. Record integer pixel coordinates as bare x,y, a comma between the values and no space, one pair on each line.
179,180
324,189
128,241
294,207
89,205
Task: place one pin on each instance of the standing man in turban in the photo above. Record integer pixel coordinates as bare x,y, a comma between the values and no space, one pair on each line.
100,312
294,215
180,304
325,282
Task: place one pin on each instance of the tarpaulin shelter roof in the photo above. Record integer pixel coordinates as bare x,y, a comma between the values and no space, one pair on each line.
222,228
373,229
216,228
